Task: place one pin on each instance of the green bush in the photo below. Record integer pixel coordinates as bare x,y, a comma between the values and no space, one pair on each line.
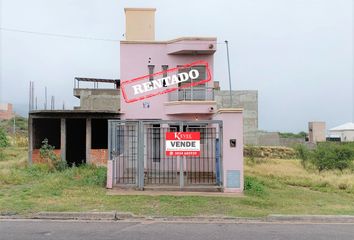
332,156
326,156
47,153
253,187
4,141
303,153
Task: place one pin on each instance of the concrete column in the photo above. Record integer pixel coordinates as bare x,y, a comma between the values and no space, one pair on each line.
88,140
63,138
30,139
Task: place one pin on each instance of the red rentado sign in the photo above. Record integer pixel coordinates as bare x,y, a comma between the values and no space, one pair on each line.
165,81
183,144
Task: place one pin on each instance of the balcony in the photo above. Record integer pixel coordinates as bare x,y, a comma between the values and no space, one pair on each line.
192,94
192,46
197,100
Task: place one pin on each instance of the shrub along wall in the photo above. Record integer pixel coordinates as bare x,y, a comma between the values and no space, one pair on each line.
269,152
327,156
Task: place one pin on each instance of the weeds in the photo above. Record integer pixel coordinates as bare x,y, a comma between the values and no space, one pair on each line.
47,153
253,186
4,141
253,154
303,153
273,186
2,154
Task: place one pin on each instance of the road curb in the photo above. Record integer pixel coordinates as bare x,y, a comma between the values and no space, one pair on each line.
310,218
75,215
126,216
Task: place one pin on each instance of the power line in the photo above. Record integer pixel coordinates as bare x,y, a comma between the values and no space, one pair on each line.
75,36
58,35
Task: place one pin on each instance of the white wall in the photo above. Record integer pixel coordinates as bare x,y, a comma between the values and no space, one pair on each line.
346,136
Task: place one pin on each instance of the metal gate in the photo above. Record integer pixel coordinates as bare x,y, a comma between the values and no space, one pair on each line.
137,151
123,148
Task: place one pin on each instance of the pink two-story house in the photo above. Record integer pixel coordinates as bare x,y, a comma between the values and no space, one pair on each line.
187,109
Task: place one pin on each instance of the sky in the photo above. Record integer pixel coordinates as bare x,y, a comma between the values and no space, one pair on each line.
298,54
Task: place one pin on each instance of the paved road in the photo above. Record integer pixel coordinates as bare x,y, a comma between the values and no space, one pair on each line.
69,230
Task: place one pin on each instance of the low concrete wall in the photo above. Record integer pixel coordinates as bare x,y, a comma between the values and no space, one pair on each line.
262,138
290,142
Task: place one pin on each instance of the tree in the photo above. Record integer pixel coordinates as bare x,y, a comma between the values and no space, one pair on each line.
4,141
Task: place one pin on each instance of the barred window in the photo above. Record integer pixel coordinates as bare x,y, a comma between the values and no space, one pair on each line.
151,71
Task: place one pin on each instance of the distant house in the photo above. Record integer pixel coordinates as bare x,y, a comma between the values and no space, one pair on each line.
6,111
344,132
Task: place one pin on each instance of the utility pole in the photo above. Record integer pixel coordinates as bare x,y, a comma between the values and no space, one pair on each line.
30,97
228,65
45,98
14,127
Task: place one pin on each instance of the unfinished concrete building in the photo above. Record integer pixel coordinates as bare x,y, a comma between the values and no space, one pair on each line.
79,135
6,111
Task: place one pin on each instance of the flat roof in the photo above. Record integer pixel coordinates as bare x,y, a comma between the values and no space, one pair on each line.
73,113
98,80
170,41
139,9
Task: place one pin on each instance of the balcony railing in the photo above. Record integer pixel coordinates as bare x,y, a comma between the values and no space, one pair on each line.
104,83
192,94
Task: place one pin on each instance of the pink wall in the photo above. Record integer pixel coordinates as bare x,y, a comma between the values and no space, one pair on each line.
135,59
134,63
232,157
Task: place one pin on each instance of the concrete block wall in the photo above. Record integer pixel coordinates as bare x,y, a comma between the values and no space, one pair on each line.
289,142
246,99
263,138
268,139
98,99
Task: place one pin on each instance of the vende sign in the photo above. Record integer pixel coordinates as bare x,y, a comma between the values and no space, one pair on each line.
183,144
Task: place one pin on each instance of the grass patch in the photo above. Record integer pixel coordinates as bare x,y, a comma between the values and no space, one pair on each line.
271,187
253,186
